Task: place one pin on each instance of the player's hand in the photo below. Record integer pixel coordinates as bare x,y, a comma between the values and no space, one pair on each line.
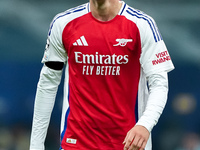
136,138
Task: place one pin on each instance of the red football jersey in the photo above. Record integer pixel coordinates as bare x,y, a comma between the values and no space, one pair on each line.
105,63
102,87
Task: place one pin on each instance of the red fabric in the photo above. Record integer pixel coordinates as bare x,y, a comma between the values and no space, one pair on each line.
103,82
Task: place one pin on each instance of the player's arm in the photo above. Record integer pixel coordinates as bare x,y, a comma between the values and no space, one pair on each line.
138,136
156,74
54,59
44,101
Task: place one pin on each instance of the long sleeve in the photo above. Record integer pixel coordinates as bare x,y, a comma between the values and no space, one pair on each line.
44,103
158,90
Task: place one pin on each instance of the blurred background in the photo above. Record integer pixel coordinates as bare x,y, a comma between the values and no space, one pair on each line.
23,30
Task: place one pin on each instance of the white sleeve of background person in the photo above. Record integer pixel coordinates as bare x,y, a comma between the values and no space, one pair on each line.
44,103
158,90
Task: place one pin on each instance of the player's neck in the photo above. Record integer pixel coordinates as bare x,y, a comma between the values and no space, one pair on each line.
105,10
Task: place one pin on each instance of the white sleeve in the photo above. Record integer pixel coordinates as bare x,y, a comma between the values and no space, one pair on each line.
54,50
158,90
44,103
154,55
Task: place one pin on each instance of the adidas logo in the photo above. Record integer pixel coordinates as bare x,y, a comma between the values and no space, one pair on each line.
81,42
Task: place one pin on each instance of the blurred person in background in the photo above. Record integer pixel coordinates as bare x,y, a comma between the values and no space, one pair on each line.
110,51
190,141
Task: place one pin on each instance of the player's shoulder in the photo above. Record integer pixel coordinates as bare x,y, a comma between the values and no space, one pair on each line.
75,11
144,22
64,17
136,14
